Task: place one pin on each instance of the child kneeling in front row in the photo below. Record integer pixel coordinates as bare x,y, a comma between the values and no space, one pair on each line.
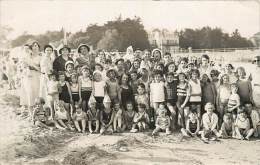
209,122
141,119
192,126
40,114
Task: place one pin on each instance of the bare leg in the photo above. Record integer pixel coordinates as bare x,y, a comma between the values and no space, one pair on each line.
84,106
90,126
77,126
83,123
97,126
249,133
156,130
62,123
57,125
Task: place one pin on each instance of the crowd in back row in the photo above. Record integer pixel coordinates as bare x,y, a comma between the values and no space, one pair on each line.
136,91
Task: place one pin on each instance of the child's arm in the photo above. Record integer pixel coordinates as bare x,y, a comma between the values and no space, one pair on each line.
34,115
214,92
198,126
80,85
215,122
250,92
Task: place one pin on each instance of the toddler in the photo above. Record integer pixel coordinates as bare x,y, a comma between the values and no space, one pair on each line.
227,128
117,123
129,116
106,117
93,115
80,117
141,120
192,126
162,122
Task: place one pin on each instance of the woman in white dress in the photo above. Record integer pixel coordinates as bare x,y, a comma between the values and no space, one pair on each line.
46,68
32,78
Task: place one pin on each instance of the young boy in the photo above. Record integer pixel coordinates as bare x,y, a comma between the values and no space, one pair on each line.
233,101
242,126
227,129
162,123
255,118
106,117
80,117
209,123
192,126
93,115
141,119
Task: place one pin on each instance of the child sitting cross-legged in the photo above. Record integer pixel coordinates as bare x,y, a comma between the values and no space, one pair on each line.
79,118
192,126
106,117
93,115
141,119
162,122
209,122
227,127
61,115
40,114
242,126
128,116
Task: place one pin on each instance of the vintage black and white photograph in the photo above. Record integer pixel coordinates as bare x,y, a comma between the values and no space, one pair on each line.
123,82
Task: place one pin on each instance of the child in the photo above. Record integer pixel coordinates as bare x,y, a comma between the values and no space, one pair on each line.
113,89
223,95
106,117
192,126
233,101
242,126
162,122
171,96
145,79
65,93
69,70
142,97
93,115
99,89
74,87
195,92
52,92
134,82
253,114
85,86
129,116
126,92
209,92
183,95
244,87
227,128
141,120
118,117
40,115
61,115
80,117
209,123
157,91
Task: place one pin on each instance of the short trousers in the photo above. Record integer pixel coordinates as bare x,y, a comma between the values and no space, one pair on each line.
75,97
85,95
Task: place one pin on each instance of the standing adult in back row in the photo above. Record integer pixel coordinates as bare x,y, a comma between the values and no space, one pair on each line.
84,57
59,62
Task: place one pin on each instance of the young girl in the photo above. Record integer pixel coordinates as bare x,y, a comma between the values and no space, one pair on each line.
209,123
223,95
61,115
40,115
74,87
183,95
52,92
209,93
157,91
107,117
171,96
69,70
113,89
126,92
242,126
93,115
65,93
133,82
233,101
162,123
142,97
145,79
195,92
118,118
85,86
129,116
227,129
141,120
80,117
99,89
192,127
244,87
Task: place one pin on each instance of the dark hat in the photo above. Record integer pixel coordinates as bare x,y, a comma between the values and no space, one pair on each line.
64,47
83,45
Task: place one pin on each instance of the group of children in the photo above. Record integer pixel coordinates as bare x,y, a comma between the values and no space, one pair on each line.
160,94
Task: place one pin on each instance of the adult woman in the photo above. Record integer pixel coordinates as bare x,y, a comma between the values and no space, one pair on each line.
59,62
157,57
32,79
229,71
84,57
205,67
46,68
120,66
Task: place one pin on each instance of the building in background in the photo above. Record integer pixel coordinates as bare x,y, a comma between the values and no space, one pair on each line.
167,41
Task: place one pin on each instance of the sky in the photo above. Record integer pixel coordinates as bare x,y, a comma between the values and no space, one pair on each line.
36,17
